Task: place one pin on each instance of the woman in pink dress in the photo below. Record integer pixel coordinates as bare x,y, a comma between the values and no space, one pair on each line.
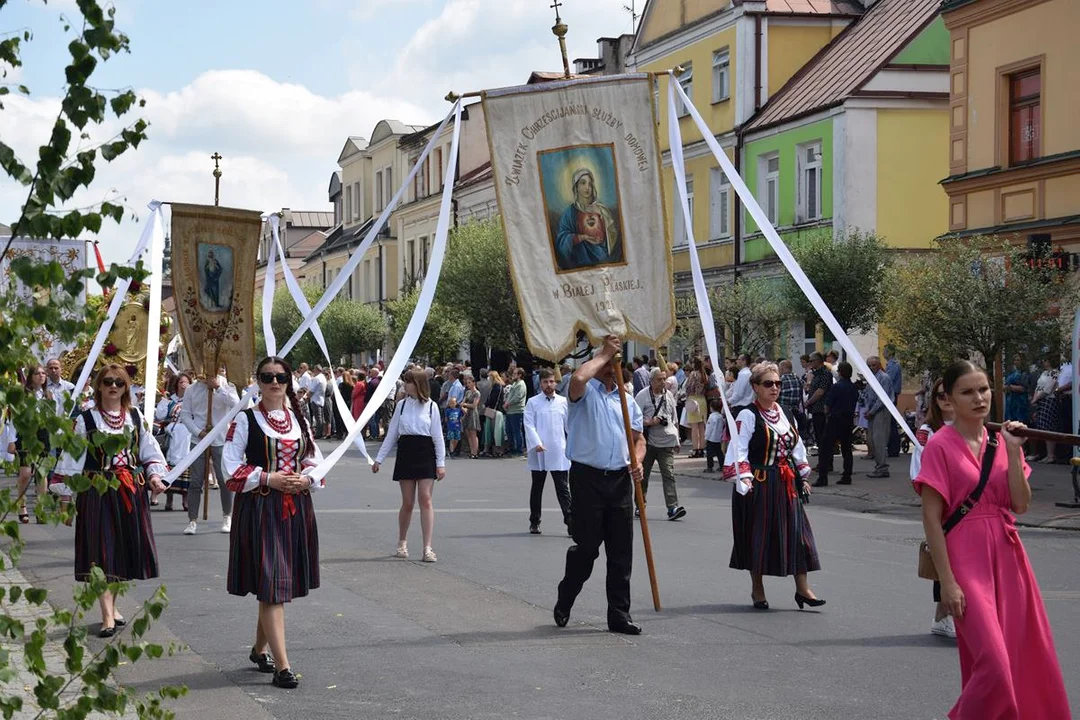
1008,665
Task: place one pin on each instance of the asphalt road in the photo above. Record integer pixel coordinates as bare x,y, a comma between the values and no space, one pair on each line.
472,636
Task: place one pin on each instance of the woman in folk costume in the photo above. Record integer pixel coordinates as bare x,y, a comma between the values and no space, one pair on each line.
772,532
274,541
167,415
1008,665
35,385
112,528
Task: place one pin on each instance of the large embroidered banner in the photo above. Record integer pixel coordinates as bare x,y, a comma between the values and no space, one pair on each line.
577,172
71,254
214,252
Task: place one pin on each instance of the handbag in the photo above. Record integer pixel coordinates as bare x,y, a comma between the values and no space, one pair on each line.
927,570
489,413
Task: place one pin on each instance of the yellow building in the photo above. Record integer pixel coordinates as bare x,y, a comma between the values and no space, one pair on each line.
1014,151
736,55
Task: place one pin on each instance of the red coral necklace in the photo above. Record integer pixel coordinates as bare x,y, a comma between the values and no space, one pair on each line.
281,427
113,420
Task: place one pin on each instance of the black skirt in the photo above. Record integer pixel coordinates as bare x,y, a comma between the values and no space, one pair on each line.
415,458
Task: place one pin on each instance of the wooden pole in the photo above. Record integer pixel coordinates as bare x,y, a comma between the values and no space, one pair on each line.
207,454
639,497
1054,437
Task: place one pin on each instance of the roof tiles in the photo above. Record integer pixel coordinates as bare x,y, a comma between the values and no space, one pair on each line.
810,7
849,61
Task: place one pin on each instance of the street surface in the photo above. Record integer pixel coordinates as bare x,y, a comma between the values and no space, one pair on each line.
472,636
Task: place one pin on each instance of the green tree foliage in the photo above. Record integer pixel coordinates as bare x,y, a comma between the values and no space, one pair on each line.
848,270
973,296
443,333
475,281
85,683
750,315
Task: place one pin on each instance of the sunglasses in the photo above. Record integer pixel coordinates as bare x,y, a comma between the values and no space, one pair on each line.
769,384
267,378
113,382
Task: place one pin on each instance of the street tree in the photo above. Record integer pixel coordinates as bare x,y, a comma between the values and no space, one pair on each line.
443,333
848,269
750,314
976,298
475,280
61,176
351,327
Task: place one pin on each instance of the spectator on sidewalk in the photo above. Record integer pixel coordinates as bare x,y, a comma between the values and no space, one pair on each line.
840,404
514,404
820,380
661,439
545,437
641,374
896,377
878,415
714,437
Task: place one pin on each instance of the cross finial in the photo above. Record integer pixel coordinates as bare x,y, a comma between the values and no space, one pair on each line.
556,7
216,157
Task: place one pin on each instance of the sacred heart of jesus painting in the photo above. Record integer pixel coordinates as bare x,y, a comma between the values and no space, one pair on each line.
581,199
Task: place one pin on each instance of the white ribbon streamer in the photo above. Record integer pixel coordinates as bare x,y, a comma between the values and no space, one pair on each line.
305,309
120,294
787,258
347,271
153,329
423,304
179,468
269,280
701,295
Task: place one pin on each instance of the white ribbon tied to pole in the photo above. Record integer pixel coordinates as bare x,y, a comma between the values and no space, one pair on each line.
153,329
269,280
701,294
423,306
152,226
782,252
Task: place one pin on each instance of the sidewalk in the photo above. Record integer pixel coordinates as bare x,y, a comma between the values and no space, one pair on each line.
1049,484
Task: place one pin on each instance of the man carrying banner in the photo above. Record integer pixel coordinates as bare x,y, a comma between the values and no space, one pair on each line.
601,488
193,417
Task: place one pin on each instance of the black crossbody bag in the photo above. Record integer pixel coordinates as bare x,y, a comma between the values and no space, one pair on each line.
927,570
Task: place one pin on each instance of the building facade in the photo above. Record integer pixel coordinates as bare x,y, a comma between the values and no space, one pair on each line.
1014,139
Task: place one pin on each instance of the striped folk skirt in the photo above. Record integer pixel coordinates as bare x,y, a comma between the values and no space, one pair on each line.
273,548
772,532
113,538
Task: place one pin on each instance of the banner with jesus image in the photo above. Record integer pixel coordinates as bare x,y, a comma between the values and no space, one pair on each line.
577,172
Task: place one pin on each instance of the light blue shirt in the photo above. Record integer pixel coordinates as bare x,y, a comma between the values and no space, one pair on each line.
595,435
456,391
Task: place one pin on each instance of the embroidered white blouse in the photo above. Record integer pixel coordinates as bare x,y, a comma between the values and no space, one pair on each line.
746,422
234,453
150,456
413,417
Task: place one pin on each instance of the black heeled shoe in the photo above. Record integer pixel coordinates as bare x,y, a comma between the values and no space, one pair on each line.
263,660
760,604
285,679
562,617
801,600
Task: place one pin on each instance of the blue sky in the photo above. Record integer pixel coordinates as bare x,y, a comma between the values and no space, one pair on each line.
276,86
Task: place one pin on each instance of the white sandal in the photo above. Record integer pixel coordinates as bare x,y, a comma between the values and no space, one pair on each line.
429,555
402,551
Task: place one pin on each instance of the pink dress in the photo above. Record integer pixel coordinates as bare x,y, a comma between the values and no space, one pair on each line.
1008,666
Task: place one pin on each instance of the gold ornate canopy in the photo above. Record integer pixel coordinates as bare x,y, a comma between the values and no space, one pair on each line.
126,344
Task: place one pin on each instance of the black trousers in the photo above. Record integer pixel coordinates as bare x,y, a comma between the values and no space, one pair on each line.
837,430
894,438
562,492
819,421
601,512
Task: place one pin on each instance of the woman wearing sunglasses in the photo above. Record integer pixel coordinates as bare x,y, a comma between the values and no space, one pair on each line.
274,541
35,385
112,527
772,532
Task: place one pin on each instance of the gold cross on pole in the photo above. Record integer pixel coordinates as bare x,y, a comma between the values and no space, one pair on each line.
217,177
559,30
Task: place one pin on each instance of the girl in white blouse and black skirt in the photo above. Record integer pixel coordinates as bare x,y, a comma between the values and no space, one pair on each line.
416,429
274,541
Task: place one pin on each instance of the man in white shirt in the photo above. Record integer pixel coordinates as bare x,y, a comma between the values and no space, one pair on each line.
661,438
545,439
741,395
317,385
58,387
193,416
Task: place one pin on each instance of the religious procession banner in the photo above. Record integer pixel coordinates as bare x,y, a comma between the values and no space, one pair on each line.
71,254
214,253
577,171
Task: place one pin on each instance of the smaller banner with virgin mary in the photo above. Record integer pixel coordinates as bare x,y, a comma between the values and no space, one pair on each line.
577,173
214,253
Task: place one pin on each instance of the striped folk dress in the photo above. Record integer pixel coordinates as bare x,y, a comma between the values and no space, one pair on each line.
772,533
274,542
113,529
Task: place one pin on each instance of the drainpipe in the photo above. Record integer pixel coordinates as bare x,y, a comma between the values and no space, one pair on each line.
757,62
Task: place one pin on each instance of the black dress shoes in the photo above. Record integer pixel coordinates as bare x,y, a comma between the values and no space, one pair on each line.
561,616
285,679
821,482
801,600
626,627
846,480
263,660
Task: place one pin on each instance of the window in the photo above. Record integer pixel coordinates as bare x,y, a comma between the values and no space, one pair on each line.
437,181
348,206
686,80
379,204
368,285
809,200
410,268
423,255
769,193
681,235
338,217
721,75
388,185
1025,115
357,210
719,205
422,176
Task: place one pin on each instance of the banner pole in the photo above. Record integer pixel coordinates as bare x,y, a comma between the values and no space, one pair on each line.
639,498
207,455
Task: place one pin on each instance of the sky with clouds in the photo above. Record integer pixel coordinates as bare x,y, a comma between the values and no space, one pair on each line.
277,90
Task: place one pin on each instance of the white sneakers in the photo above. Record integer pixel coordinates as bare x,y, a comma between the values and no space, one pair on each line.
191,528
945,627
226,524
